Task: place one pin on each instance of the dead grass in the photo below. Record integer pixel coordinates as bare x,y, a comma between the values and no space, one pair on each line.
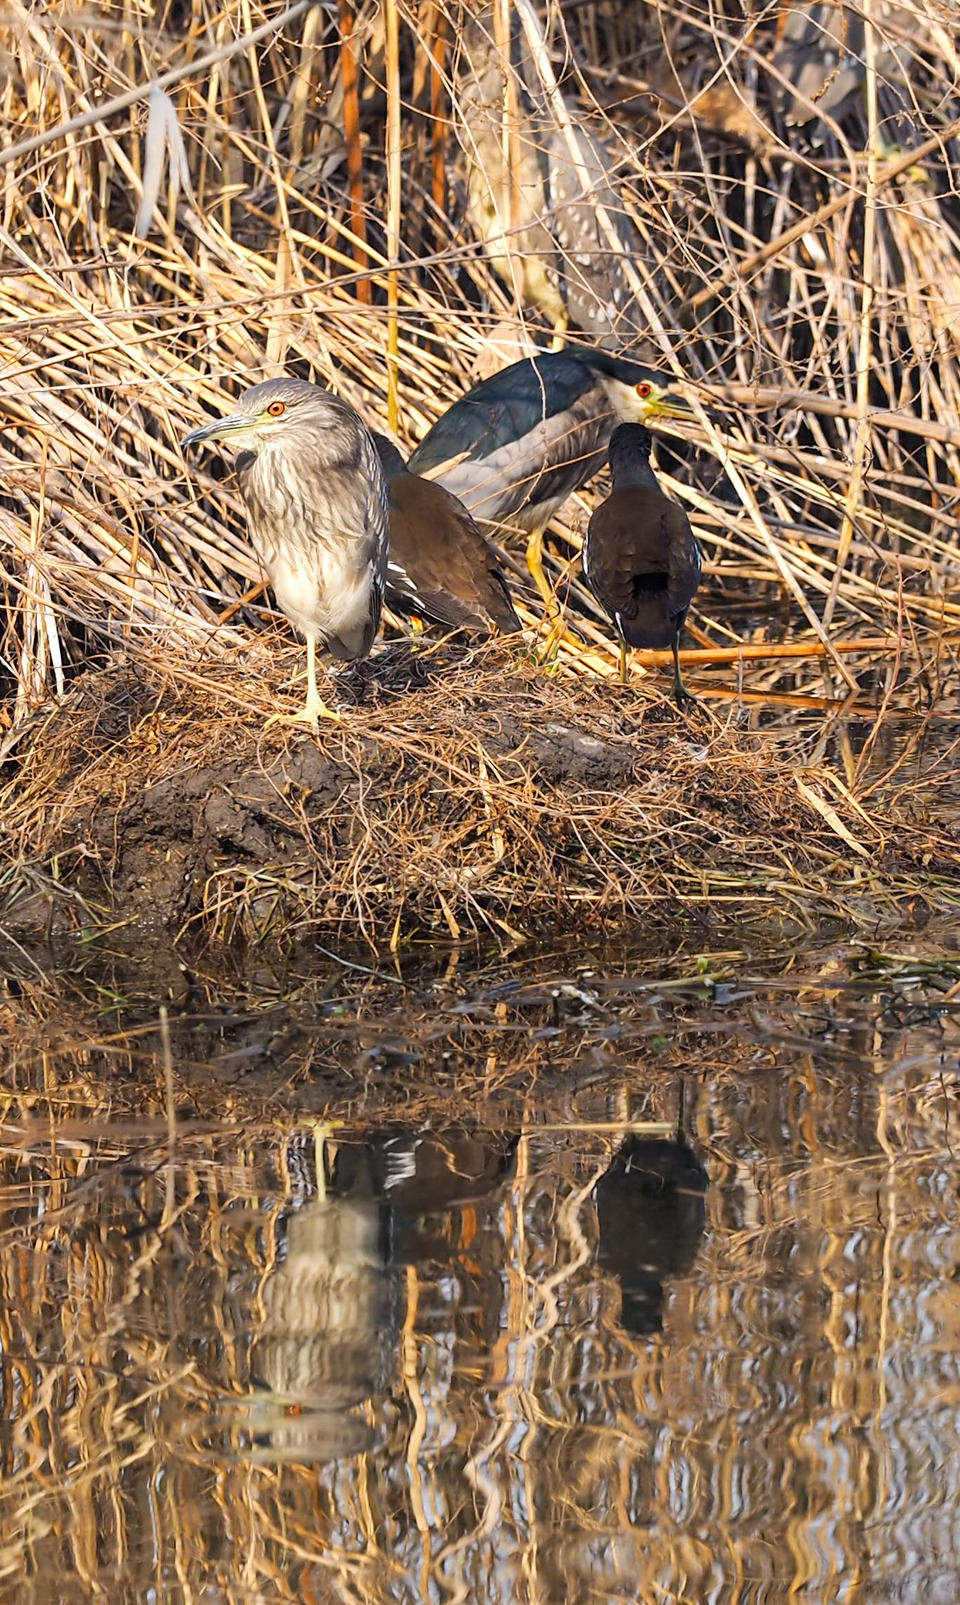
138,292
462,794
159,251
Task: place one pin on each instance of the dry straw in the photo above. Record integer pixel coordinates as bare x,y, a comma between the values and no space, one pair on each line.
283,190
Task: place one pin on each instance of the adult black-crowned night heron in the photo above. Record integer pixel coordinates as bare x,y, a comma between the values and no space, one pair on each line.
515,446
640,558
439,566
316,501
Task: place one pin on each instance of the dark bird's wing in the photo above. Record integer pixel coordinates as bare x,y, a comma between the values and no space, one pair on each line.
511,403
641,563
439,564
685,565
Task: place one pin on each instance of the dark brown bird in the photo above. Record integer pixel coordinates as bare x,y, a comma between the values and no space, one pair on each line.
640,558
438,564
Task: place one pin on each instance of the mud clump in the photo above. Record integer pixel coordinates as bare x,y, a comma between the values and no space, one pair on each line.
460,794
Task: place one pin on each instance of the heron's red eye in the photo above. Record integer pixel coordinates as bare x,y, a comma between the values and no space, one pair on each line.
643,391
276,408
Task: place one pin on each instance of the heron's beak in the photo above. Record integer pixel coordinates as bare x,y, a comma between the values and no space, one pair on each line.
221,427
671,405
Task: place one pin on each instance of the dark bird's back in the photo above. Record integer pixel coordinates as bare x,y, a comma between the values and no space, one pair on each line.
640,557
641,567
517,444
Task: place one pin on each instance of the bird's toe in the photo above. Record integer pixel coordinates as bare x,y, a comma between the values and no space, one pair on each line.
310,715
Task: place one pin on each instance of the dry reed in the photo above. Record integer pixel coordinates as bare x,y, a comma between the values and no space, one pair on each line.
245,216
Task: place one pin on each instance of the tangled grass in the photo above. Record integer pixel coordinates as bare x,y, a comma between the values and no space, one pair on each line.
200,197
459,797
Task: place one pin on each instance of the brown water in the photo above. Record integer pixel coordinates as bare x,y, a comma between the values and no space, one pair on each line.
632,1282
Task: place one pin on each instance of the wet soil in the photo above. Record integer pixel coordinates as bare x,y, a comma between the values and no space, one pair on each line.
453,797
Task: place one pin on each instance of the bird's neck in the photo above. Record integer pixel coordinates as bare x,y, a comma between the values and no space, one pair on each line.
633,470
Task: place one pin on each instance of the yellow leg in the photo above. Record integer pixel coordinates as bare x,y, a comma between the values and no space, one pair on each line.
314,709
554,614
551,606
624,676
535,565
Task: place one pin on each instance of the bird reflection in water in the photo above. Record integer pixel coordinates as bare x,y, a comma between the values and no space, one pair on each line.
651,1211
329,1329
332,1307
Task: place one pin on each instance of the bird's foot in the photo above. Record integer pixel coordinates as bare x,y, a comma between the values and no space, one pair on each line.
686,703
310,714
550,646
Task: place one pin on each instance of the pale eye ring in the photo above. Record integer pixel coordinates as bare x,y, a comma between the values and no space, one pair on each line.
277,408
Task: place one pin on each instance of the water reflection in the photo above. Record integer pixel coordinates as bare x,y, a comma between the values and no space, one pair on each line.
328,1333
651,1213
554,1351
332,1305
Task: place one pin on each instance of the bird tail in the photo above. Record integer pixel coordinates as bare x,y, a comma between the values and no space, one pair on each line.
648,623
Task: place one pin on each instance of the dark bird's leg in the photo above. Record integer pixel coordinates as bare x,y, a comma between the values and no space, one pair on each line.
681,695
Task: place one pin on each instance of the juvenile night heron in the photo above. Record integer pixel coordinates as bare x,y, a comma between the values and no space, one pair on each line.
533,191
821,54
640,558
515,446
439,564
316,502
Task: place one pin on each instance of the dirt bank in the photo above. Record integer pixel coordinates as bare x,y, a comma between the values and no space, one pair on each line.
461,792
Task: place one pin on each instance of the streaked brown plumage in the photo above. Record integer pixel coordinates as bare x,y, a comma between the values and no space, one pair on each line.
439,566
316,502
535,198
640,558
820,63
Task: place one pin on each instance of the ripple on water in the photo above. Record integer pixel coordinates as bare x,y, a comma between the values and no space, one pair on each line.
682,1324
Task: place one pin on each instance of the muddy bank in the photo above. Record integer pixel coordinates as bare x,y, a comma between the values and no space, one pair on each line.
460,794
